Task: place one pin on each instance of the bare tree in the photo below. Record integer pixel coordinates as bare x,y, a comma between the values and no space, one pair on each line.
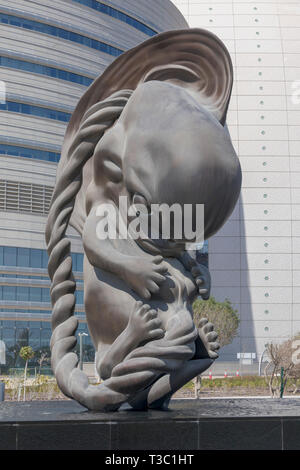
43,358
281,367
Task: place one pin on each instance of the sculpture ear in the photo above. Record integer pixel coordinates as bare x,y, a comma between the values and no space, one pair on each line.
112,170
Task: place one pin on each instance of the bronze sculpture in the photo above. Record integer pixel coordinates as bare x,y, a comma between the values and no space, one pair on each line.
151,129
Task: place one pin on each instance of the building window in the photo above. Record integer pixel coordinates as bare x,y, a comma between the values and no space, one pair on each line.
35,111
61,33
53,72
14,257
25,197
36,154
113,12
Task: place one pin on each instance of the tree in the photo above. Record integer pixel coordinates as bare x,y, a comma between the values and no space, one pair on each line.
26,353
43,357
221,314
282,367
225,320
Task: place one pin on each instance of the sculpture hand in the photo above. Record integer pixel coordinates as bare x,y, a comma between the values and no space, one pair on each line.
202,280
145,275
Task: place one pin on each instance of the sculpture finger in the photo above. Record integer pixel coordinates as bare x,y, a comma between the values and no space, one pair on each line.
156,334
208,327
144,309
199,281
151,315
154,324
204,292
213,355
202,322
212,336
158,278
138,305
161,268
195,271
153,287
157,259
214,346
145,294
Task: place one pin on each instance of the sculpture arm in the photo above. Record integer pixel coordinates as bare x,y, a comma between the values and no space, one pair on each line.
143,326
199,272
143,274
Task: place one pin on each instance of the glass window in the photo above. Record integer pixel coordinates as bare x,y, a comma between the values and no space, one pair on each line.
79,297
74,261
36,258
22,336
10,256
46,295
79,262
35,325
20,64
35,294
108,10
23,293
8,324
29,153
30,257
44,259
23,257
45,337
8,334
9,292
36,111
59,32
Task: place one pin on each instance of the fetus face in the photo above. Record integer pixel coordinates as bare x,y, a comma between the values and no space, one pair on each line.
166,149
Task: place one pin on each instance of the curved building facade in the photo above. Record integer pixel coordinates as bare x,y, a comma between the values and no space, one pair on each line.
255,259
50,51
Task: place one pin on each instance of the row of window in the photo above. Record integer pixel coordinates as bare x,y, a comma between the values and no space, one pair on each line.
22,276
25,324
16,334
53,72
32,312
108,10
16,151
31,294
32,258
61,33
35,111
25,197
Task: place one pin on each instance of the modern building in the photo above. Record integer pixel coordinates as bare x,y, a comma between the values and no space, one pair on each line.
50,51
255,259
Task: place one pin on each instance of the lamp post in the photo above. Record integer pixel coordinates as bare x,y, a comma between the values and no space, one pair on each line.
80,349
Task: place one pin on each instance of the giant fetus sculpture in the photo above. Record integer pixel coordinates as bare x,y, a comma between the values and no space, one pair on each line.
151,129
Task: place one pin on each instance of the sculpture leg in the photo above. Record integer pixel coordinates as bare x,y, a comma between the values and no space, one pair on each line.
158,395
143,326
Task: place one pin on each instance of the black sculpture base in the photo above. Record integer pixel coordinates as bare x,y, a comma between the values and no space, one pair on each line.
231,424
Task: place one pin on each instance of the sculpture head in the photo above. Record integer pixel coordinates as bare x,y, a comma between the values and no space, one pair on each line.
165,126
168,149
